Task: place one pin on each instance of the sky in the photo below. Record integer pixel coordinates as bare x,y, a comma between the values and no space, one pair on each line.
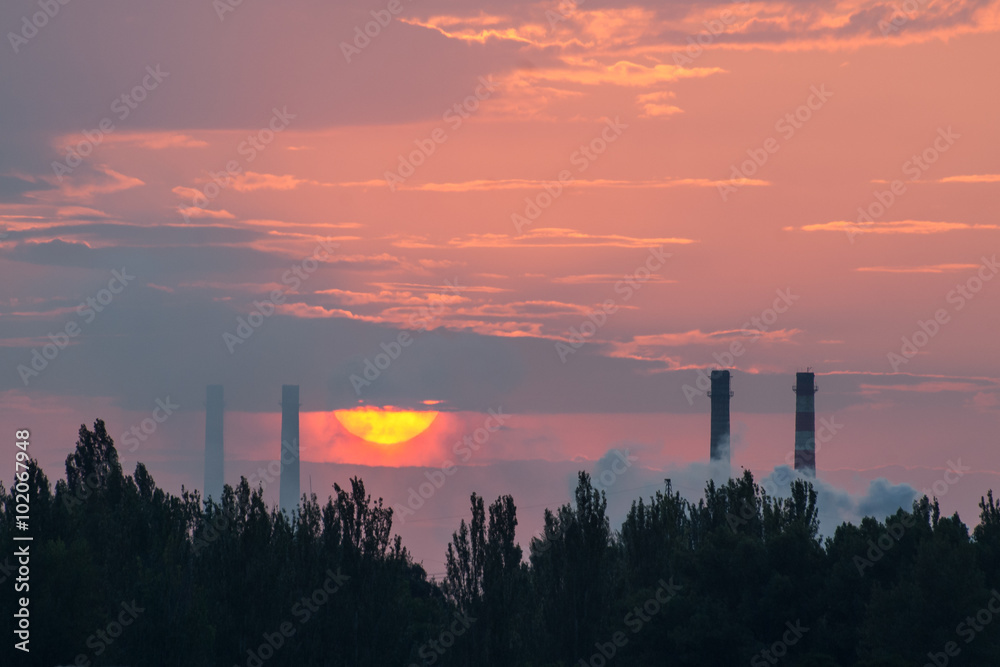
565,212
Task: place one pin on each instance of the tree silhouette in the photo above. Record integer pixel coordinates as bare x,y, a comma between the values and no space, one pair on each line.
737,577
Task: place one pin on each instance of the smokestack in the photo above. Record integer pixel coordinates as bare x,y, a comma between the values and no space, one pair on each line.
214,453
289,491
720,395
805,423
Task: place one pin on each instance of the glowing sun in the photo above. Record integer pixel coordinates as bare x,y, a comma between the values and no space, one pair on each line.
385,426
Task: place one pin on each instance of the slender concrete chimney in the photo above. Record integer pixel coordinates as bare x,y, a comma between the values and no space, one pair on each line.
720,395
805,423
214,453
289,491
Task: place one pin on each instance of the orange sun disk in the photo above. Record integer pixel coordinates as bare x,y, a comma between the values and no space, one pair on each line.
385,426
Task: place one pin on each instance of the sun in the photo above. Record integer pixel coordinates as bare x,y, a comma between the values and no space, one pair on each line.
385,426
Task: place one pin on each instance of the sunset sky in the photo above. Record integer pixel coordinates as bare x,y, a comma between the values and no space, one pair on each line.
571,210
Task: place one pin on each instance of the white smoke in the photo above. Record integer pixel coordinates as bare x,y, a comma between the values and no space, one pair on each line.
881,499
835,505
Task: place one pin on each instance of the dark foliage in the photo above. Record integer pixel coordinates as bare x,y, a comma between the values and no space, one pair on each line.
738,578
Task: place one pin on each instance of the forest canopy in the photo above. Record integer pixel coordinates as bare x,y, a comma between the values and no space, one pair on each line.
125,573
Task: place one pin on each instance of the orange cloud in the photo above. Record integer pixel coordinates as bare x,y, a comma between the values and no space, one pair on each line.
532,184
185,192
655,104
930,268
351,298
439,288
282,223
84,185
313,312
75,212
561,238
641,32
699,337
891,227
603,278
195,212
537,308
251,180
657,347
471,29
620,73
971,178
156,140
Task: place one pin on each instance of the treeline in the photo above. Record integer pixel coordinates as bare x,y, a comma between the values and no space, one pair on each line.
123,573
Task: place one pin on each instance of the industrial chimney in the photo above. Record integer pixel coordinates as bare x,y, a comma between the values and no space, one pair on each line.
214,453
805,423
289,491
720,395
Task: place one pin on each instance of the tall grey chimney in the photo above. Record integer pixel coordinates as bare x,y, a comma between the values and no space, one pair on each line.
214,452
805,423
720,395
289,491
